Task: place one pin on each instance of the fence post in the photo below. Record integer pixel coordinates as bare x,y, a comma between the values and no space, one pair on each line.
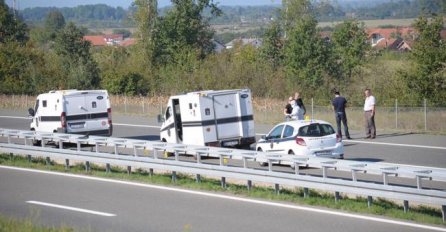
425,115
312,108
125,104
396,113
143,110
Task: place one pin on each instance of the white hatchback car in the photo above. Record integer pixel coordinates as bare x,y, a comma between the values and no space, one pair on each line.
302,137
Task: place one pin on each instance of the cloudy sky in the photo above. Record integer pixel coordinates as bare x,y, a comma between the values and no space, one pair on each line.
22,4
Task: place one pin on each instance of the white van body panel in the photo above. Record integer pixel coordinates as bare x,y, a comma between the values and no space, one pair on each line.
215,118
74,112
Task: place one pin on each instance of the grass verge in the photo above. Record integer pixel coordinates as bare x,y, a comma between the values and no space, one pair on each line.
27,225
380,207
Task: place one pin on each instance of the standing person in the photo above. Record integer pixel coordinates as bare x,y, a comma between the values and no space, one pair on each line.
339,103
288,109
369,114
300,112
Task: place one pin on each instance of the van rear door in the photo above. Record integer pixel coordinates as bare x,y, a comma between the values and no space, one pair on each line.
227,116
87,112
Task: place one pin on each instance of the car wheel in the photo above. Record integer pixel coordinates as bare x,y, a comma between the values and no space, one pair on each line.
263,164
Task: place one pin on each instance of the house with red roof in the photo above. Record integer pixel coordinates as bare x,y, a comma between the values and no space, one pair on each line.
109,40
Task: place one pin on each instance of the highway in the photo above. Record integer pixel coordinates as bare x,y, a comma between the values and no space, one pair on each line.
96,204
105,205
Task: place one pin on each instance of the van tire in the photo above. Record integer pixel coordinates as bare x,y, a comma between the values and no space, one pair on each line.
35,141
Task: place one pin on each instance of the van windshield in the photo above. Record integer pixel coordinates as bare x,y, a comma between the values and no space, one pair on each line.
316,130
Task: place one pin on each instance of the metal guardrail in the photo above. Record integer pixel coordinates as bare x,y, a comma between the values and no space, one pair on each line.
19,142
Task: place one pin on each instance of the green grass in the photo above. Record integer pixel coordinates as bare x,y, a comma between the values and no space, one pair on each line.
381,207
27,225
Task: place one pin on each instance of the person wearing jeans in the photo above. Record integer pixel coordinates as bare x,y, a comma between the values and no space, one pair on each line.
339,103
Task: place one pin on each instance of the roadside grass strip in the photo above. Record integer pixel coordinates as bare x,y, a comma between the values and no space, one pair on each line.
347,206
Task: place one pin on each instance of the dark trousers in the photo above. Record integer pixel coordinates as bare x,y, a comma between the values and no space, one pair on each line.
370,129
341,116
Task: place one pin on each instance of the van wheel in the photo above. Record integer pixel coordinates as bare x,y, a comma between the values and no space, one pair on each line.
263,164
291,152
37,142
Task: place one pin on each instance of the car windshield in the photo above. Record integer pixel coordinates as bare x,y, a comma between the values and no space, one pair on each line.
316,130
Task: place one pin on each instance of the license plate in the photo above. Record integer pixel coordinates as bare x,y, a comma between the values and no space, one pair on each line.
323,153
230,143
77,125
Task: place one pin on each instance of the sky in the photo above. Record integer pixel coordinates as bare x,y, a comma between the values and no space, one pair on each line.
22,4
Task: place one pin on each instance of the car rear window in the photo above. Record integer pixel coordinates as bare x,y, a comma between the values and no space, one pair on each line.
316,130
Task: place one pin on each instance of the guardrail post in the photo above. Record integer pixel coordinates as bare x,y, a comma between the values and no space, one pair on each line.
354,178
67,164
116,149
177,156
198,178
245,162
87,166
60,144
174,176
406,206
107,168
385,179
249,185
306,192
11,156
277,188
129,170
78,145
48,161
97,147
337,196
198,158
369,201
419,182
443,212
155,153
223,182
150,172
29,158
324,171
270,165
296,168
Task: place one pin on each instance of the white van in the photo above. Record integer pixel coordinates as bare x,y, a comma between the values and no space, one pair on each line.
72,111
222,118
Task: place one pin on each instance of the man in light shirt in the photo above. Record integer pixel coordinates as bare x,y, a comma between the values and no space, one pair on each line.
369,115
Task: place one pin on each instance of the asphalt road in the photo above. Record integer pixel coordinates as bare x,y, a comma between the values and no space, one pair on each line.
135,207
87,203
402,148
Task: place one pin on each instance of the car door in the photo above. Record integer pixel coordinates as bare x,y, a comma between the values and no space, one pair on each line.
287,139
273,138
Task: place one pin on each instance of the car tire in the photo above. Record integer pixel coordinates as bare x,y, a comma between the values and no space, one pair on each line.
291,152
263,164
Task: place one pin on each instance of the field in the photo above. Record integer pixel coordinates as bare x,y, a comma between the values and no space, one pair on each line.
375,23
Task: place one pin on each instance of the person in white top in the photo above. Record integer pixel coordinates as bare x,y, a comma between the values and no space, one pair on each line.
369,114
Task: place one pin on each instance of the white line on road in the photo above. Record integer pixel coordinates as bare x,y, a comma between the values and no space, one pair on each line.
394,144
281,205
71,208
260,134
15,117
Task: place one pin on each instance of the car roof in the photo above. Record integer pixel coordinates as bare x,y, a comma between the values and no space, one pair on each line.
299,123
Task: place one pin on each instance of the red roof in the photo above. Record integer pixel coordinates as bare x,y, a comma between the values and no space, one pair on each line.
96,40
128,42
389,33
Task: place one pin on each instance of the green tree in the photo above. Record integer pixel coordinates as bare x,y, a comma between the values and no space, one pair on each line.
146,17
54,22
11,28
350,49
80,69
184,27
306,53
272,48
427,75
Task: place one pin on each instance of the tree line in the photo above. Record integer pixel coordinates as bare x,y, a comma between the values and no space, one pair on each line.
174,53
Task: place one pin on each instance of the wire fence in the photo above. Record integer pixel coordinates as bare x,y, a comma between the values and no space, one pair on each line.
398,116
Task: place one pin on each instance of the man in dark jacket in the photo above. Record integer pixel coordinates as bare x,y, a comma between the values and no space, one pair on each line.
339,104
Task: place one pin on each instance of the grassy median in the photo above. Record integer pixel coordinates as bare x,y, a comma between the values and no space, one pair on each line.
380,207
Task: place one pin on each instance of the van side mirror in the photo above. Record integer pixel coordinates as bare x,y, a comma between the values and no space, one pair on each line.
263,137
31,112
160,118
